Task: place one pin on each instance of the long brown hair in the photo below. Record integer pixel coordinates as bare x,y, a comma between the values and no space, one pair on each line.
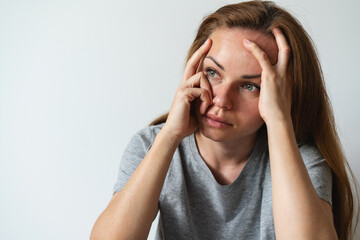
311,110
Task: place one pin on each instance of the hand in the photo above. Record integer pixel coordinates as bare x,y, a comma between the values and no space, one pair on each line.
181,122
275,94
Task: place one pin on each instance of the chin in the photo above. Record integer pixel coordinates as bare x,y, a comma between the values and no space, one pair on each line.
215,134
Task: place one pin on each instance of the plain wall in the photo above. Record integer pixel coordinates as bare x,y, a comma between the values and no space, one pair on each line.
79,78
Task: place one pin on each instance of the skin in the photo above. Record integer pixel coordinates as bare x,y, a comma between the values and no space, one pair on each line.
235,101
298,211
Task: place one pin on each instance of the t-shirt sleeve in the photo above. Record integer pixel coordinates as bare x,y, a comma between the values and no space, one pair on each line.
319,171
133,154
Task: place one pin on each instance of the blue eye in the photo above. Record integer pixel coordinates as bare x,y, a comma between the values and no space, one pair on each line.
211,73
251,87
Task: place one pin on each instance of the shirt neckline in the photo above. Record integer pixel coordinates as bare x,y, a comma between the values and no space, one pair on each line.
248,168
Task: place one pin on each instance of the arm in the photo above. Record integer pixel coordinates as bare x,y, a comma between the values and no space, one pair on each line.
132,210
298,211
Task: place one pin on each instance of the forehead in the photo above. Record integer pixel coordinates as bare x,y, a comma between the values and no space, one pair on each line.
229,42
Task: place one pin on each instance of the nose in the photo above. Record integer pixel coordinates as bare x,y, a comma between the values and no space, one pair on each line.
222,96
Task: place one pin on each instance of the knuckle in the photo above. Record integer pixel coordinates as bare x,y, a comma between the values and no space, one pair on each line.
201,74
205,94
178,92
181,89
203,97
198,75
185,94
286,50
263,56
272,75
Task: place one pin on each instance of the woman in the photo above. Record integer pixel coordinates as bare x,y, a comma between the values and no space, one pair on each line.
249,148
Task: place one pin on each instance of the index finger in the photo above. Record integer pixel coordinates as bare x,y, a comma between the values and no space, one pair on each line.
193,63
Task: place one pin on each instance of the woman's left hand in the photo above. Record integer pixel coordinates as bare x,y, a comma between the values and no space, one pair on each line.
275,93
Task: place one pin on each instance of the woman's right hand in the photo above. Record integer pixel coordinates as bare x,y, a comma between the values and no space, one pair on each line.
132,210
181,121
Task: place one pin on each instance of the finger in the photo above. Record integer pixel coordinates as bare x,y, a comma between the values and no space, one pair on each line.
284,49
202,94
199,80
259,54
193,63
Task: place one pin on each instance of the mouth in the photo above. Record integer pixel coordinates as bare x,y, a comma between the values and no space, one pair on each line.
216,122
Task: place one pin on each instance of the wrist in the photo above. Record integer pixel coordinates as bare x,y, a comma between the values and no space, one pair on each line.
279,124
280,120
168,137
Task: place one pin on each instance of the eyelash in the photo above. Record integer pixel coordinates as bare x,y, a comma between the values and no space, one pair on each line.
208,70
251,84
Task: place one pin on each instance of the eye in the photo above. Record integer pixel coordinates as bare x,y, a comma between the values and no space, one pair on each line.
251,87
211,73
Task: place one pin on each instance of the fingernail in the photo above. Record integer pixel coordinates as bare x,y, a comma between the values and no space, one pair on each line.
247,41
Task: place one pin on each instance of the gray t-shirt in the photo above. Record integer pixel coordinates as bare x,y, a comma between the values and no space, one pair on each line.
193,205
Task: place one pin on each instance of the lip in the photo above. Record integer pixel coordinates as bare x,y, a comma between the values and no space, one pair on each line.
215,121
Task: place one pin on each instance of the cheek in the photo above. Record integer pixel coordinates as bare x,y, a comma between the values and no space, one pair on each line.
248,111
249,107
253,117
254,114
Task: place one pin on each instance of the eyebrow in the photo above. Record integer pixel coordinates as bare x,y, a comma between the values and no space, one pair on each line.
246,76
251,76
218,64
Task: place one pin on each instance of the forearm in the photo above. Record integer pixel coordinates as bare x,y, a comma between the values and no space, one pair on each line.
298,211
131,211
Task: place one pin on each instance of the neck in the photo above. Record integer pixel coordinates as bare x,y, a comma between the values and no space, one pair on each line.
228,153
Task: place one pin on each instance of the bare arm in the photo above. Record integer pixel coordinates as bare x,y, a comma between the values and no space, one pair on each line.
298,211
131,211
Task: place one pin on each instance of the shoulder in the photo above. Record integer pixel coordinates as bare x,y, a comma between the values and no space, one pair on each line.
137,148
141,142
146,136
314,160
311,154
319,171
315,163
309,149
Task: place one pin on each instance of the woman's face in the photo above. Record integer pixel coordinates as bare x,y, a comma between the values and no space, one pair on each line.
235,77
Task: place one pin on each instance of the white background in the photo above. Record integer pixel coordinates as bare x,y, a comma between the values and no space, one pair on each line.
79,78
